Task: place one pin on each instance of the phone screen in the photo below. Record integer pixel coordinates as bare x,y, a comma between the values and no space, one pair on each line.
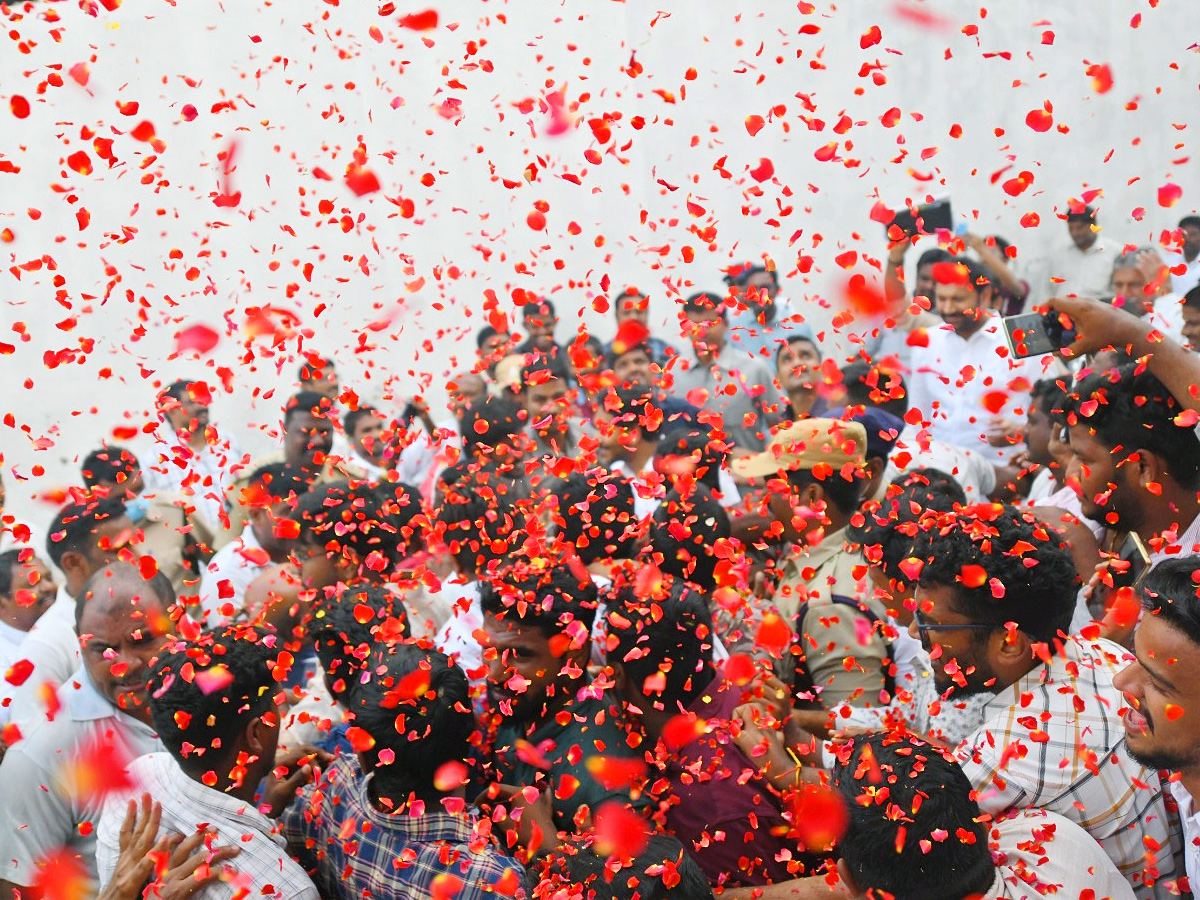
1027,335
1133,551
928,219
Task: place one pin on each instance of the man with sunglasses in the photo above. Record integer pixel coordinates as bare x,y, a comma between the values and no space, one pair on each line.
995,595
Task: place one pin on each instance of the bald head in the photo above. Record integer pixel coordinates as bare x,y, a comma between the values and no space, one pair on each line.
118,585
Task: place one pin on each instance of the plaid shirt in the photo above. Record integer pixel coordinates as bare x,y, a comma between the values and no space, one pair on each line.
355,851
1054,740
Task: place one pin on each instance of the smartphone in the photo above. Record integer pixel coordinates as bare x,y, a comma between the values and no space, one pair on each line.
926,219
1036,334
1133,551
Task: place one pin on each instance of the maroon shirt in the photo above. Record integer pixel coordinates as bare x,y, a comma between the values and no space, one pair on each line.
724,814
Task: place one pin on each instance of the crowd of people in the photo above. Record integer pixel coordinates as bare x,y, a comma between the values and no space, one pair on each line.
689,615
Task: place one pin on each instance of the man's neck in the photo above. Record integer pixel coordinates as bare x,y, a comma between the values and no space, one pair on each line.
193,439
641,456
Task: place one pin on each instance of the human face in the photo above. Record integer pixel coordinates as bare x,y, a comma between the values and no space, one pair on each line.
307,435
1129,284
634,308
526,677
706,330
619,436
1083,234
958,647
1037,434
1191,242
32,591
464,390
1164,677
924,285
1191,327
633,368
186,415
111,538
367,437
961,306
539,325
129,486
1103,491
799,511
547,404
798,359
122,629
324,381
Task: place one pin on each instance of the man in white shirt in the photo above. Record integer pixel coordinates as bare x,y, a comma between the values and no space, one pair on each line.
26,591
83,538
1188,257
1082,266
220,728
995,597
264,543
1162,690
965,382
908,797
188,456
53,782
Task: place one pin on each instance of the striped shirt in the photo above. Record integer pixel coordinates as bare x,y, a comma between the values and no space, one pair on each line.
1054,740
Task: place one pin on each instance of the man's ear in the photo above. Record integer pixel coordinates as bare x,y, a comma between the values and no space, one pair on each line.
260,733
1148,469
73,562
1011,648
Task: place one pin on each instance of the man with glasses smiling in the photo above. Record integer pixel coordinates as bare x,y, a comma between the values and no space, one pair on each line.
995,596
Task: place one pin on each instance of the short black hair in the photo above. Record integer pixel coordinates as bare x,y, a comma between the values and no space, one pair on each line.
416,706
1029,575
1171,591
688,440
204,692
843,493
73,528
306,402
1130,410
475,524
177,390
669,633
930,479
683,533
1081,213
114,464
124,573
740,277
485,334
345,627
9,560
1189,222
353,417
1050,395
1192,298
357,521
548,599
540,368
705,302
539,307
934,255
797,338
638,406
871,385
490,421
900,793
595,516
887,531
662,871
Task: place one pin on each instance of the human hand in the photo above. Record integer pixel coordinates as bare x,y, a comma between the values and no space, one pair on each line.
526,814
1002,431
1098,325
193,864
293,769
138,836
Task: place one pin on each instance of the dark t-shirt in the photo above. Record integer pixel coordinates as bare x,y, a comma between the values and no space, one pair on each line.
729,820
586,728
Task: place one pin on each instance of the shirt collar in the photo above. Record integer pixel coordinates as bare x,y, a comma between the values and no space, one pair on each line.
223,806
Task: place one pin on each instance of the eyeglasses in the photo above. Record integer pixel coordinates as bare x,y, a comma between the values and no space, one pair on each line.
923,629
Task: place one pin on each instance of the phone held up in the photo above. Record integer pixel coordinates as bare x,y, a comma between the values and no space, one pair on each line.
1036,334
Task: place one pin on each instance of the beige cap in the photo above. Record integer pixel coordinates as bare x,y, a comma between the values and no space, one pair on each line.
805,444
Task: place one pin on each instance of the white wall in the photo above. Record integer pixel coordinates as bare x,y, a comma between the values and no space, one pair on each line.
308,81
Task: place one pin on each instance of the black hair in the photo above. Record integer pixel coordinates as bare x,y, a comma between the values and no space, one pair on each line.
1131,410
682,534
783,345
353,417
934,255
687,440
203,693
416,706
1050,395
352,520
1028,578
930,479
177,390
540,368
900,793
741,277
839,491
485,334
548,599
306,402
280,481
888,532
870,385
596,516
475,525
1076,213
662,871
1192,298
123,574
314,367
669,633
346,627
1189,222
638,404
1171,591
978,275
501,418
540,306
73,529
705,302
112,464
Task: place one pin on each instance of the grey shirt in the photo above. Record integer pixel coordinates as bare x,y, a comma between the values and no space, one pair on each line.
746,408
